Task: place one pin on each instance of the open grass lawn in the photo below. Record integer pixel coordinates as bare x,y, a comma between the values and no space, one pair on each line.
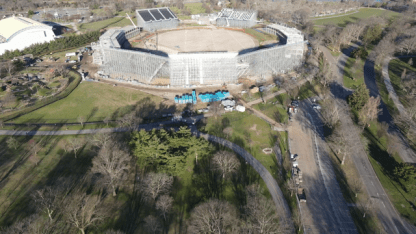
354,73
396,67
383,164
275,111
247,131
93,101
195,8
363,13
113,22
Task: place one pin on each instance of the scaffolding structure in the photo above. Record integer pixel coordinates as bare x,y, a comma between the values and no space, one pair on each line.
156,18
203,68
134,66
236,18
195,68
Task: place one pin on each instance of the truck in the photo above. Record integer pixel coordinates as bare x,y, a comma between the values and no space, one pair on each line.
301,195
70,54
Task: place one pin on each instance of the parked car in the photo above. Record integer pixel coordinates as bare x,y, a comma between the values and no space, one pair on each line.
317,107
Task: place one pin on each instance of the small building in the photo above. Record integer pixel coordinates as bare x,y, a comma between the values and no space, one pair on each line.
228,102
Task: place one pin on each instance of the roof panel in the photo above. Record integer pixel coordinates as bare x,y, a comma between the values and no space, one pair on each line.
146,15
157,14
166,13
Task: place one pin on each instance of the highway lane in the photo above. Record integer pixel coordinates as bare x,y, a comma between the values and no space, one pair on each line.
387,214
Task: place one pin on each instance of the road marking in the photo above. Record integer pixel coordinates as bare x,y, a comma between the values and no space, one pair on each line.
383,204
372,182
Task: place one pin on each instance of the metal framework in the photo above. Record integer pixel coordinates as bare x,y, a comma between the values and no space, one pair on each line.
236,18
156,18
196,68
202,68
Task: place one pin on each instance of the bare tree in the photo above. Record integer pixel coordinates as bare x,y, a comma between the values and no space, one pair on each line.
369,111
222,217
75,144
129,120
330,113
408,45
261,212
152,224
9,67
81,120
62,71
47,200
356,186
225,162
155,184
215,109
106,120
164,205
113,162
82,211
12,142
34,147
102,139
340,145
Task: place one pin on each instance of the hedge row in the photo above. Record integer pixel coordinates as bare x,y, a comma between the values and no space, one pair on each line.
56,45
48,100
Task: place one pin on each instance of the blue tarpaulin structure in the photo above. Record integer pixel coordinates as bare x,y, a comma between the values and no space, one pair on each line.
186,98
214,97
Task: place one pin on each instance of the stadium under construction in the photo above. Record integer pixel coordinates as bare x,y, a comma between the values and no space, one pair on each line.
119,62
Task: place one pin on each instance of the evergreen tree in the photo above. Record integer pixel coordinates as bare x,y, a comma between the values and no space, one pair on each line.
359,98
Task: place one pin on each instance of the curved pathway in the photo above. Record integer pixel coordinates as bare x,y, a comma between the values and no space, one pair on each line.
281,205
405,152
389,86
389,217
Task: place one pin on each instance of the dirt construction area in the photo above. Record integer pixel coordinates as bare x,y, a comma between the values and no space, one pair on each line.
196,40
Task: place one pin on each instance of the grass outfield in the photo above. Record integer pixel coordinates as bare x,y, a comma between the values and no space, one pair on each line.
363,13
195,8
93,101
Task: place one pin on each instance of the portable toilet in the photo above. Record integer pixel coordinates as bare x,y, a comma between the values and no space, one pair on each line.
176,99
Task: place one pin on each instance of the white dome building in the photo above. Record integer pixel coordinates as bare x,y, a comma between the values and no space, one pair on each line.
20,32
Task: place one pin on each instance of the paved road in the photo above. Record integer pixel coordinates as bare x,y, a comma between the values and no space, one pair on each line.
281,205
326,210
405,152
387,214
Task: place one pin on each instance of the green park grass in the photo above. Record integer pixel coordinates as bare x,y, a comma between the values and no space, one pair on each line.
354,73
363,13
396,67
249,132
383,164
98,25
195,8
93,101
385,97
271,109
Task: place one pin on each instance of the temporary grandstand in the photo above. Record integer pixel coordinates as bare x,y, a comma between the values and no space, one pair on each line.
237,18
156,19
196,68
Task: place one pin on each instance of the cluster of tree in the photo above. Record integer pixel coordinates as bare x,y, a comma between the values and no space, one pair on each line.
167,151
366,107
56,45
